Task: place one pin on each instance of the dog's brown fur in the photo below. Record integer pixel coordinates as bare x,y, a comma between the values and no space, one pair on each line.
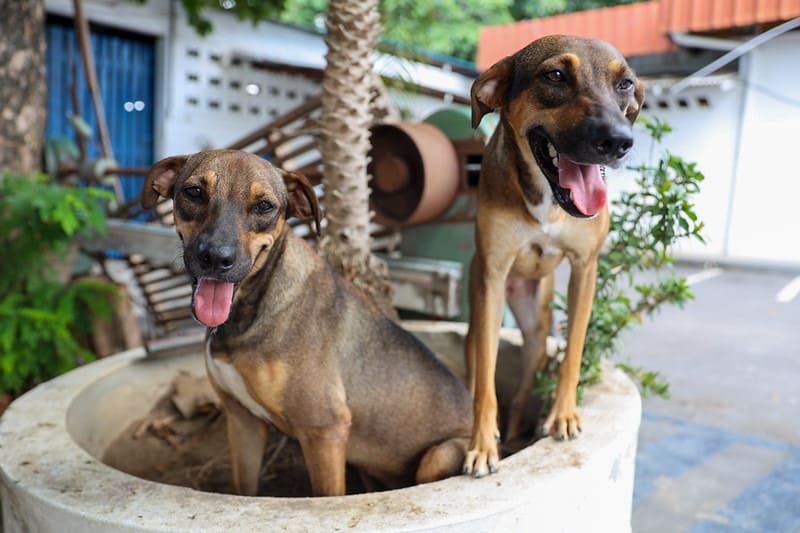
581,96
302,349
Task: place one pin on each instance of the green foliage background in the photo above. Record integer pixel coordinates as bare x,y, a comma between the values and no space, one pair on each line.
447,27
41,317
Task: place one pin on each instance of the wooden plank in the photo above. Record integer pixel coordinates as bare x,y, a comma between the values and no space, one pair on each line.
158,243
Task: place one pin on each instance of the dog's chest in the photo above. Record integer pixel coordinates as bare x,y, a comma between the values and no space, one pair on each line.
552,223
546,239
230,380
541,251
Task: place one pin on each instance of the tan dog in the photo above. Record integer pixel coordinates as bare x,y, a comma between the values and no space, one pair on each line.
294,345
566,108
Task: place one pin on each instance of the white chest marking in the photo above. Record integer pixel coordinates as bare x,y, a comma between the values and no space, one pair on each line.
549,249
548,234
229,379
543,212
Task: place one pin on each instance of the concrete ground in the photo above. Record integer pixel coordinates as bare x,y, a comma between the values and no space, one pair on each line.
723,454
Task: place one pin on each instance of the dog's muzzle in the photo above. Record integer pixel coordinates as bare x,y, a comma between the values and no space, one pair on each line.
579,189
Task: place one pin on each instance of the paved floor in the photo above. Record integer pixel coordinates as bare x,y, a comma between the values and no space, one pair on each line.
723,454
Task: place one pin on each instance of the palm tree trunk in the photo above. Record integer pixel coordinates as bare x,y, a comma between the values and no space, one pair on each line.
353,30
23,88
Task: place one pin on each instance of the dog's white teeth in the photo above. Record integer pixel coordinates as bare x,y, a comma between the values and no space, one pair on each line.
551,150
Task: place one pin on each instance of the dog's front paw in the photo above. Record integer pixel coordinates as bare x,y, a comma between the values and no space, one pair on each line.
562,423
482,456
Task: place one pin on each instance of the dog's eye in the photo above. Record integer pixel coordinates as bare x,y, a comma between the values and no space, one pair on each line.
263,207
193,192
555,76
625,85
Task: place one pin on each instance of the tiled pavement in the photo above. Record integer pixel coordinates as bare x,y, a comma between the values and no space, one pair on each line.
702,479
723,454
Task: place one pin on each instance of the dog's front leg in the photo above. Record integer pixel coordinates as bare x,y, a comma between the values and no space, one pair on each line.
325,454
487,295
247,438
564,420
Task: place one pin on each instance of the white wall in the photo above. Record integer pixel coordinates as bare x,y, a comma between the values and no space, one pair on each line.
417,106
192,123
209,105
746,141
765,222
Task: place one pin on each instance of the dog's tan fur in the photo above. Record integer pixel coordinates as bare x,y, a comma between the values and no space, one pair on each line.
301,348
522,233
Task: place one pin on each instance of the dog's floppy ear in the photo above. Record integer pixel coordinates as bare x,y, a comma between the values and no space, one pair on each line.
489,90
160,180
303,202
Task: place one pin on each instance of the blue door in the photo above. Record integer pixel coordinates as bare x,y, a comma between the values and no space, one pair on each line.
125,65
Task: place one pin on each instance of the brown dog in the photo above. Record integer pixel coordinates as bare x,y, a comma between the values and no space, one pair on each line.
291,344
566,108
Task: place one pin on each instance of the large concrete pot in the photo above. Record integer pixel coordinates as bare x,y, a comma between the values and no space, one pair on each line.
51,479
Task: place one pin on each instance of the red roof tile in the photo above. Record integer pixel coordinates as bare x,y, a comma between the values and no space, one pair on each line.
713,15
636,29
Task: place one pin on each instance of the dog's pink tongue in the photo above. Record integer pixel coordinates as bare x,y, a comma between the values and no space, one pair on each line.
212,301
585,182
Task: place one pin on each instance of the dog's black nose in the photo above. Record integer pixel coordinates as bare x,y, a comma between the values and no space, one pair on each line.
614,141
217,258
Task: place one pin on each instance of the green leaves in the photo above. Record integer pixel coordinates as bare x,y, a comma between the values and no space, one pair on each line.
656,127
525,9
37,222
41,318
445,26
649,382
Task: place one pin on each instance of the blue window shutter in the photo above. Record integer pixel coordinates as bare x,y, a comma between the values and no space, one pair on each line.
125,66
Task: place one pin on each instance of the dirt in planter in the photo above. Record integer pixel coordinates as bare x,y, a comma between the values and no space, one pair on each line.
190,448
183,442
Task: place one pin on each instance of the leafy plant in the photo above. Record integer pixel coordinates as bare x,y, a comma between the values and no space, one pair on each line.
645,223
42,317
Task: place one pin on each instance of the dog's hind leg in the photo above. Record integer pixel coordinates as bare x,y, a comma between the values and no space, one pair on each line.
470,343
443,460
530,302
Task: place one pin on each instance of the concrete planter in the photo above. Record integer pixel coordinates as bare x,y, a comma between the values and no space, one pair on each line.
51,480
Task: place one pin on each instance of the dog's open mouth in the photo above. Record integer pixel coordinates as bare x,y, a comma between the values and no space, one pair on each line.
212,301
579,189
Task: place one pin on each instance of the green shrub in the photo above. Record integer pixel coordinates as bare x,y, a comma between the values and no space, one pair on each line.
41,317
645,223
